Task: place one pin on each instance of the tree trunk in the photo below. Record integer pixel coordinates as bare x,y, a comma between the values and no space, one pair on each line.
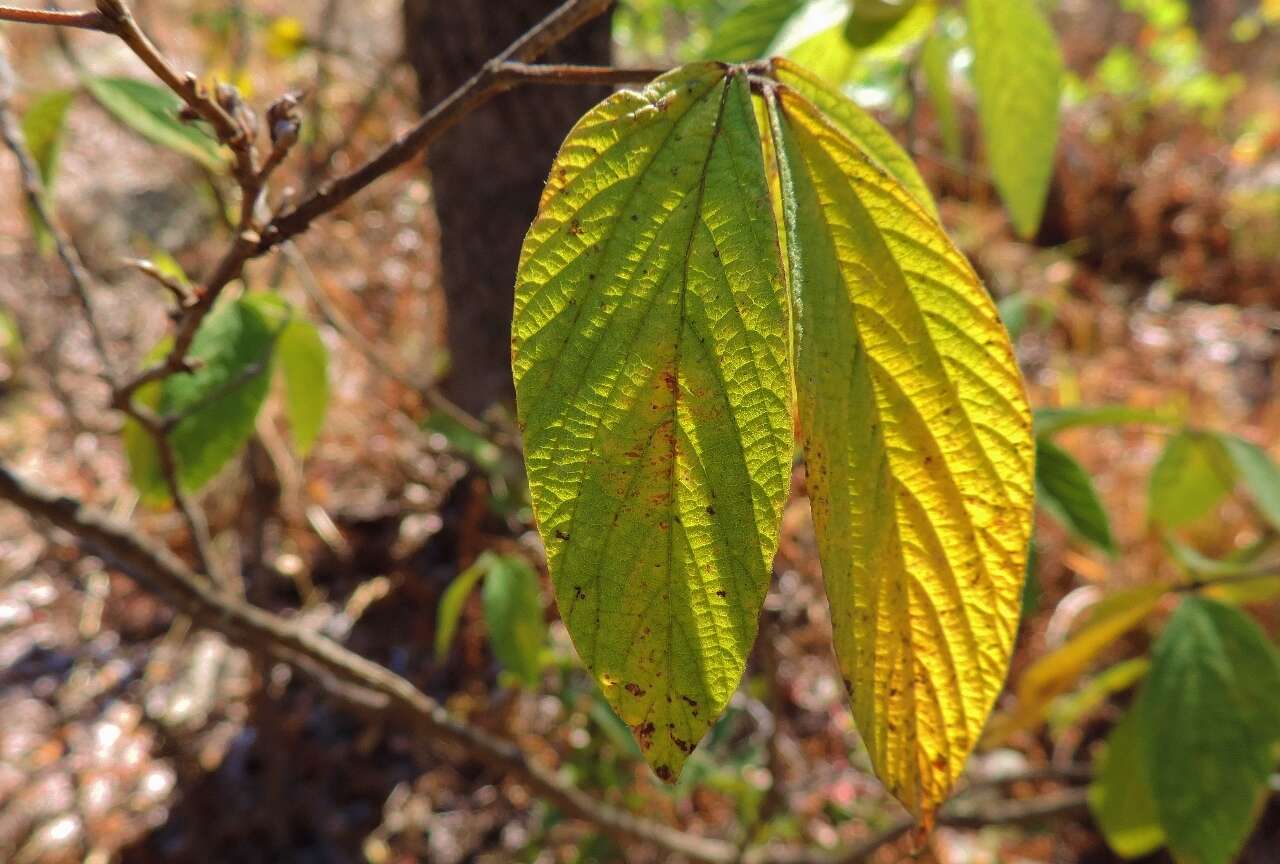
487,174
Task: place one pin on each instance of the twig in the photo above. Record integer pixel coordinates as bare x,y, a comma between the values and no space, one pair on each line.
80,282
79,20
235,130
180,291
504,72
1055,805
36,195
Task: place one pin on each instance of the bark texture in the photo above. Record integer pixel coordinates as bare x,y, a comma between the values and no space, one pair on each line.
488,173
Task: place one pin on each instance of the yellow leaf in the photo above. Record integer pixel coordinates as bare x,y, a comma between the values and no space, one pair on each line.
918,442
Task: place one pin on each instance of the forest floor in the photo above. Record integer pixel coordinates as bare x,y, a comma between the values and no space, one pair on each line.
127,737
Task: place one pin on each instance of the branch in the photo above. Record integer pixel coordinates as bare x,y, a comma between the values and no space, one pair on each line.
1055,805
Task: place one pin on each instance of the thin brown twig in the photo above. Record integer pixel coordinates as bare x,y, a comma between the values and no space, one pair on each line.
503,72
81,285
37,199
79,20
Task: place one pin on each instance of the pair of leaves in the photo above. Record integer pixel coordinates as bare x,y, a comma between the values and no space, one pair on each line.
1018,71
1189,765
692,266
237,347
512,612
1198,469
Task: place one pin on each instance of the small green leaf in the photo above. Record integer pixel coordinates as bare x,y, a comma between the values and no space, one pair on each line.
304,365
152,111
1050,421
749,31
935,63
304,368
1018,75
1193,474
217,404
1120,796
1066,491
1260,475
486,455
513,614
1210,715
42,127
453,601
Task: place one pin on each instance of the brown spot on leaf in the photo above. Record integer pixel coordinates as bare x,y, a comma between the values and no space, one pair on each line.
634,689
664,773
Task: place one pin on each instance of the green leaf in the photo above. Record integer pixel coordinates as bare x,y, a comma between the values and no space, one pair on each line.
453,601
650,360
304,365
513,614
918,447
1210,724
1120,797
1193,474
935,63
1018,75
217,404
1066,491
749,31
152,111
1050,421
861,128
42,127
486,455
1260,475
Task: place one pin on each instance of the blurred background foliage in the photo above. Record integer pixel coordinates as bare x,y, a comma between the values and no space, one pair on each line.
1143,305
